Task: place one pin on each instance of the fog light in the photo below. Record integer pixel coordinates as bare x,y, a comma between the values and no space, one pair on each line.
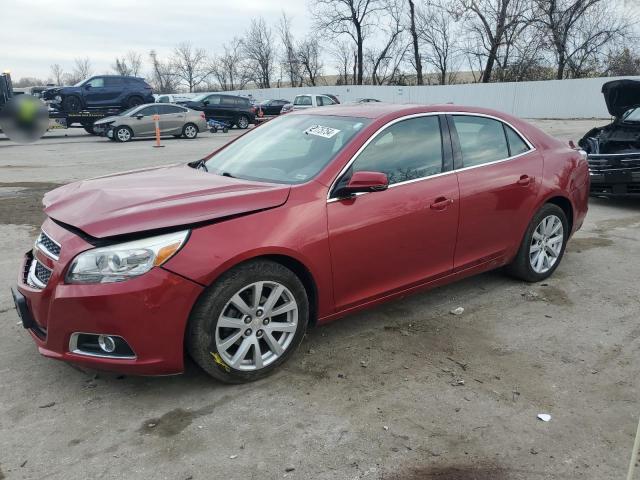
107,344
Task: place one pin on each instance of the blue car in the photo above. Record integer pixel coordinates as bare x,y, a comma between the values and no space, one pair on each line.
102,91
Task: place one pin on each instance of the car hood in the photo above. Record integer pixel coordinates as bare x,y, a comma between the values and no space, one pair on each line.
157,198
104,120
621,95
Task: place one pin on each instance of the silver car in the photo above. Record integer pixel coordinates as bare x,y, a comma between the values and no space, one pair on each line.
139,122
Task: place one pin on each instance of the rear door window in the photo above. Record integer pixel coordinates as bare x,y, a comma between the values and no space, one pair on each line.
228,101
113,82
482,140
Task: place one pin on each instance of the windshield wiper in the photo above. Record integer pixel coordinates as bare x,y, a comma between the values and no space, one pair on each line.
201,165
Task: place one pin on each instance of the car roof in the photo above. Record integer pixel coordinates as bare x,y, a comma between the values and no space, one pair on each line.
375,110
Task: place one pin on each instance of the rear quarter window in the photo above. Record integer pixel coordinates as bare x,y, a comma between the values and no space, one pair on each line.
517,145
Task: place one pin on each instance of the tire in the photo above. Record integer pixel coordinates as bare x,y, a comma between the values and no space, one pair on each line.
123,134
89,129
206,337
72,103
134,101
242,122
225,130
190,131
527,265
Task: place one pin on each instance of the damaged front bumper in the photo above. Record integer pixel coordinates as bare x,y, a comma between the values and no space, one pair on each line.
615,175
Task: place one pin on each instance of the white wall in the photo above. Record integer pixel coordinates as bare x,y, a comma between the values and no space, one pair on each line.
579,98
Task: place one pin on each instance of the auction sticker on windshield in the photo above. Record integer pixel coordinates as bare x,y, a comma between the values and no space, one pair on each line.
320,131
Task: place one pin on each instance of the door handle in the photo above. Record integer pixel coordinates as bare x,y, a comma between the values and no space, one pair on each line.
524,180
441,203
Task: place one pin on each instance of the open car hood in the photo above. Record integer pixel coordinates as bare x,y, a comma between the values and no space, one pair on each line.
621,95
157,198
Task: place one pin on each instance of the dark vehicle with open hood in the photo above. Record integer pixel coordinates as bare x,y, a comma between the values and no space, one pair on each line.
614,150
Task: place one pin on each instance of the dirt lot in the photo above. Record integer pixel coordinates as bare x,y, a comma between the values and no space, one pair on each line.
406,391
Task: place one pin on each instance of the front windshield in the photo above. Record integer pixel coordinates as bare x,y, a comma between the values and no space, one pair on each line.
290,149
80,83
632,115
199,98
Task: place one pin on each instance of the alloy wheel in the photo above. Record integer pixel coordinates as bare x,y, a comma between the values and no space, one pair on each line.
256,326
124,135
190,131
546,244
243,122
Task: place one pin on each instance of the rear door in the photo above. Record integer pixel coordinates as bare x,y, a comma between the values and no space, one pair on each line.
395,239
114,91
171,119
499,173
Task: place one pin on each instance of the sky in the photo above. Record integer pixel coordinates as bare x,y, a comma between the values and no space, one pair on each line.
35,34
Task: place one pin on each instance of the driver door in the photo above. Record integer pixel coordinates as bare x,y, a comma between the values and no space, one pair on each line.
391,240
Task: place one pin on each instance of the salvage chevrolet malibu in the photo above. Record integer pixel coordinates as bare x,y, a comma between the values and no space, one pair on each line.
312,216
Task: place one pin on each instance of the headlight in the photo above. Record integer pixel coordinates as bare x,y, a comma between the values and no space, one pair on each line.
123,261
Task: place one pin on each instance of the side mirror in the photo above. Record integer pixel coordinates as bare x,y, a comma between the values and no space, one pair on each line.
206,102
364,182
87,86
139,117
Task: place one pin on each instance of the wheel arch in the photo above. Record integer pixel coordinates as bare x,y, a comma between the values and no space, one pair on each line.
565,204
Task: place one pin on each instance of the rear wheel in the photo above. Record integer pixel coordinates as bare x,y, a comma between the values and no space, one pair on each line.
249,322
122,134
72,103
243,122
543,245
134,101
190,131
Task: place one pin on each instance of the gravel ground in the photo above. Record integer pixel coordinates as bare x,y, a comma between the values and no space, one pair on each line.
405,391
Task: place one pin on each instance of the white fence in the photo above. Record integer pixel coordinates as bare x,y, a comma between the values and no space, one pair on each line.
579,98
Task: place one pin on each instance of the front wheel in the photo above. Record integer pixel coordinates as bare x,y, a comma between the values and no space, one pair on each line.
123,134
543,245
190,131
72,103
243,122
249,322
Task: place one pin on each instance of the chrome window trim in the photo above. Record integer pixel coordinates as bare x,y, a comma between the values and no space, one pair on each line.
427,114
43,249
73,348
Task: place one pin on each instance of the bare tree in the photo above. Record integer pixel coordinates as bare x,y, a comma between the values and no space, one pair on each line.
290,58
385,61
344,56
57,73
82,69
310,61
353,18
190,65
576,29
415,43
260,51
163,78
622,62
440,35
489,21
130,64
230,69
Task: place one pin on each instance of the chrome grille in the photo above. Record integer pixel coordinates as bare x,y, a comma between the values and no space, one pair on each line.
48,246
42,273
37,275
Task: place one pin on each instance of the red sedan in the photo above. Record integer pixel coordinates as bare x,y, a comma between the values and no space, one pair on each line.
305,219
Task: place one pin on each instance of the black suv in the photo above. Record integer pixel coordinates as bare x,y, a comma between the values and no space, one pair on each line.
225,108
103,91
